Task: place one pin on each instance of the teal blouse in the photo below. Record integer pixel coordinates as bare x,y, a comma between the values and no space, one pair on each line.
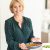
15,34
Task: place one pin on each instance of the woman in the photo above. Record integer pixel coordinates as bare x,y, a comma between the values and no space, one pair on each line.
18,29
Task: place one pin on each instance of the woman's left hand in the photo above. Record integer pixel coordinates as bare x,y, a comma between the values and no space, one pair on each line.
35,40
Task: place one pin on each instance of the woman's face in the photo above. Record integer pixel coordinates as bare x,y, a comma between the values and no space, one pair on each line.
17,8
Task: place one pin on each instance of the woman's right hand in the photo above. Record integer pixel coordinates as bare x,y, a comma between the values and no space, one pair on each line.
23,46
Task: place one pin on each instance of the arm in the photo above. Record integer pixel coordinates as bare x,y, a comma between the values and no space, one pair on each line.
30,26
32,37
9,38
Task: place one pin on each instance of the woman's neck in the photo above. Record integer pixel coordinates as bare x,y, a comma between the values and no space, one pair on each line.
19,19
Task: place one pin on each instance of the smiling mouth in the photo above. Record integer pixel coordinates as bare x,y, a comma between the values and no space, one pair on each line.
17,11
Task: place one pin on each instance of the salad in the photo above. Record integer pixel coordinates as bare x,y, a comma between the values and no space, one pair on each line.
46,46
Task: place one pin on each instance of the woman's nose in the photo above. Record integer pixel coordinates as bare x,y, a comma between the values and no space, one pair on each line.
17,8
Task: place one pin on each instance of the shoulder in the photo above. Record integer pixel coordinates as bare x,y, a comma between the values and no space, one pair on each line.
9,20
28,22
27,19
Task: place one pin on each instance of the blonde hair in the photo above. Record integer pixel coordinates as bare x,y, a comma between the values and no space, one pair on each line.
13,1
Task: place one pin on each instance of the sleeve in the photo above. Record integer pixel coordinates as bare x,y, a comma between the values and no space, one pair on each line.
9,38
31,34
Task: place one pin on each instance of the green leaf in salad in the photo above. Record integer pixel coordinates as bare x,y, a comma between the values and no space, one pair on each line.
46,46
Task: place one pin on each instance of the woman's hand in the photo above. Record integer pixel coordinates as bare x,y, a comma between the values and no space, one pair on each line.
35,39
23,46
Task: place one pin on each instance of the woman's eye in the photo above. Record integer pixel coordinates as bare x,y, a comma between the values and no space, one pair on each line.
15,7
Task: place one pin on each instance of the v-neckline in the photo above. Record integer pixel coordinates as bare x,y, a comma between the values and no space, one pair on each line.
17,22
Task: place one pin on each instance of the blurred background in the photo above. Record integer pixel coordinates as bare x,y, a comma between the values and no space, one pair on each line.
45,32
37,10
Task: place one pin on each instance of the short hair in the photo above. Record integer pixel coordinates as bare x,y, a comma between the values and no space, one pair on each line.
13,1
